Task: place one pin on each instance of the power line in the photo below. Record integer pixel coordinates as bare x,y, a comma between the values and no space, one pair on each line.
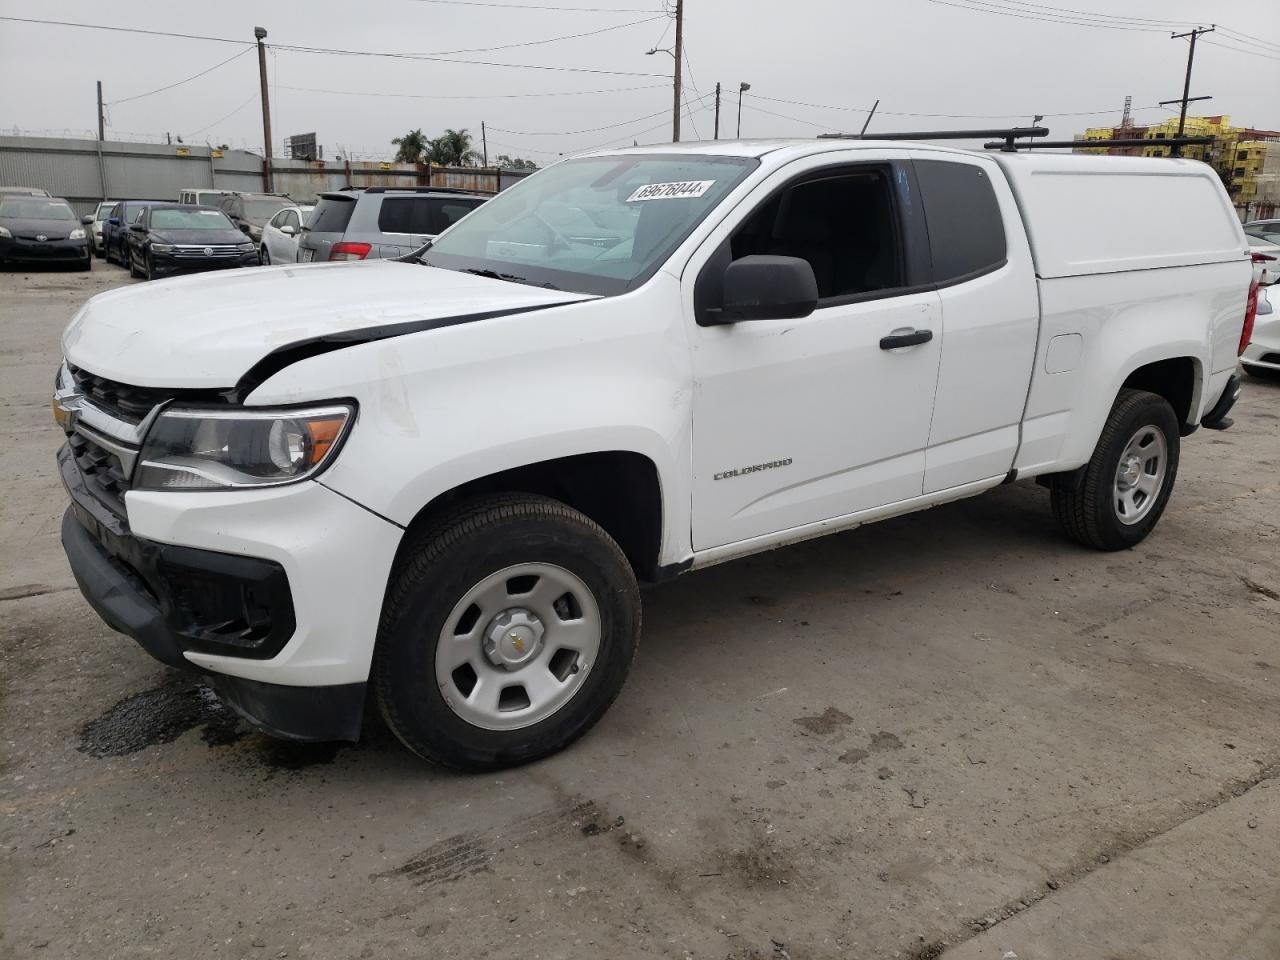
474,96
1096,15
296,48
535,43
1251,53
948,116
252,98
179,83
1247,39
570,133
981,6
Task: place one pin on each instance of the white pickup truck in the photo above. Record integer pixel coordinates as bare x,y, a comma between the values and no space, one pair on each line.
437,481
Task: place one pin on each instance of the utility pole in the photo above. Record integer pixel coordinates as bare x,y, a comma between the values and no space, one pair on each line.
742,88
717,134
1186,85
261,34
679,54
484,143
101,118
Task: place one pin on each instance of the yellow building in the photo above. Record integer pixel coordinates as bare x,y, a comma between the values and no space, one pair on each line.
1247,159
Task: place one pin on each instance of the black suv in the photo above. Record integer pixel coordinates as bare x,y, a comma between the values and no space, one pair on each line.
250,212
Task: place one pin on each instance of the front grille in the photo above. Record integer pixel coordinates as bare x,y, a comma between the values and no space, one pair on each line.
215,250
118,399
102,471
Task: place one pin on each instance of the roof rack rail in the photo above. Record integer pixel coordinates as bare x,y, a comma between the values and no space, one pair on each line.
1006,135
1175,144
414,189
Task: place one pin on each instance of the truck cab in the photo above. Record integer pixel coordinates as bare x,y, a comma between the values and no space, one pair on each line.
438,480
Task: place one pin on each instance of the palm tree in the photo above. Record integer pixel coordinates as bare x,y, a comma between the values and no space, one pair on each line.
411,146
452,149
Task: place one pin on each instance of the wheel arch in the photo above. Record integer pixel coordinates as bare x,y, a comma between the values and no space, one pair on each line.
619,489
1179,379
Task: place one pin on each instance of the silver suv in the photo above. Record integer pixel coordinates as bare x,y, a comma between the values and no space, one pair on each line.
371,222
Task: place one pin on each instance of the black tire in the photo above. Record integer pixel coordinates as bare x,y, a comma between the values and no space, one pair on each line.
148,267
1084,503
86,266
471,543
264,258
128,262
1262,373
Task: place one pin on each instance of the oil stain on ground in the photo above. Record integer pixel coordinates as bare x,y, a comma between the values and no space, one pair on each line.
159,715
166,712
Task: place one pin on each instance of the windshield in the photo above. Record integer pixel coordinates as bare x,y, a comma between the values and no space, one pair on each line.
189,220
35,208
104,210
598,225
260,211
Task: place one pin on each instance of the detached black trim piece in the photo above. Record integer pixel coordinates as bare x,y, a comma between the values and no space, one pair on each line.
291,353
1217,419
307,714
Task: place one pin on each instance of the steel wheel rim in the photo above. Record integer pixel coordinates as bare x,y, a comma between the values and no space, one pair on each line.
518,646
1140,475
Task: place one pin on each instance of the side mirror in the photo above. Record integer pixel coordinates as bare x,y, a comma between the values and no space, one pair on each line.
765,288
87,219
114,221
244,228
137,228
288,230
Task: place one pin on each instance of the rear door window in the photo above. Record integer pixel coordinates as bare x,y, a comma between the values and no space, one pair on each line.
405,215
447,212
966,229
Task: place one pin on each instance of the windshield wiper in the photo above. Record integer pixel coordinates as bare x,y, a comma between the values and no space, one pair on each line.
509,277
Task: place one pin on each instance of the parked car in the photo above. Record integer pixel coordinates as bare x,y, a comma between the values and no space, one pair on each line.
115,229
280,235
436,481
24,191
1267,231
376,222
251,211
1261,357
183,238
202,196
35,229
100,215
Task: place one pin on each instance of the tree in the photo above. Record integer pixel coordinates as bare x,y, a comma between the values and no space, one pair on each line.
514,163
452,149
411,147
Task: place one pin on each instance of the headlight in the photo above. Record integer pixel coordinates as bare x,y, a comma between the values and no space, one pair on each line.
76,234
245,247
162,248
188,449
4,232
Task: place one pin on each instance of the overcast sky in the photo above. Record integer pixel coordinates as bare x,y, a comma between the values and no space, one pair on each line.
917,56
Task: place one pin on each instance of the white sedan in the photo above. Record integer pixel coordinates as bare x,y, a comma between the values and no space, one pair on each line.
280,235
1261,357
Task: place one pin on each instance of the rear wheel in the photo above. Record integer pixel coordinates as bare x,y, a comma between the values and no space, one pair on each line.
1121,493
506,634
264,256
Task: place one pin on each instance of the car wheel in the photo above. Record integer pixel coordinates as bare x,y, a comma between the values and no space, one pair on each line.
264,256
506,633
133,267
86,265
1119,496
148,267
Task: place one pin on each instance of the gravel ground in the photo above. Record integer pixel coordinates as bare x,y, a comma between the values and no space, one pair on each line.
954,732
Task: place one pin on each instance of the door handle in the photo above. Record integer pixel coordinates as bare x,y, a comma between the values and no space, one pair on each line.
911,338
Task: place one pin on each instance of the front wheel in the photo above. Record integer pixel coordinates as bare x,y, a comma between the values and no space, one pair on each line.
264,256
506,634
1118,497
128,262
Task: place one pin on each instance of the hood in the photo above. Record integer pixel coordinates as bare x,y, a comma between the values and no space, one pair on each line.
208,330
225,235
28,228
